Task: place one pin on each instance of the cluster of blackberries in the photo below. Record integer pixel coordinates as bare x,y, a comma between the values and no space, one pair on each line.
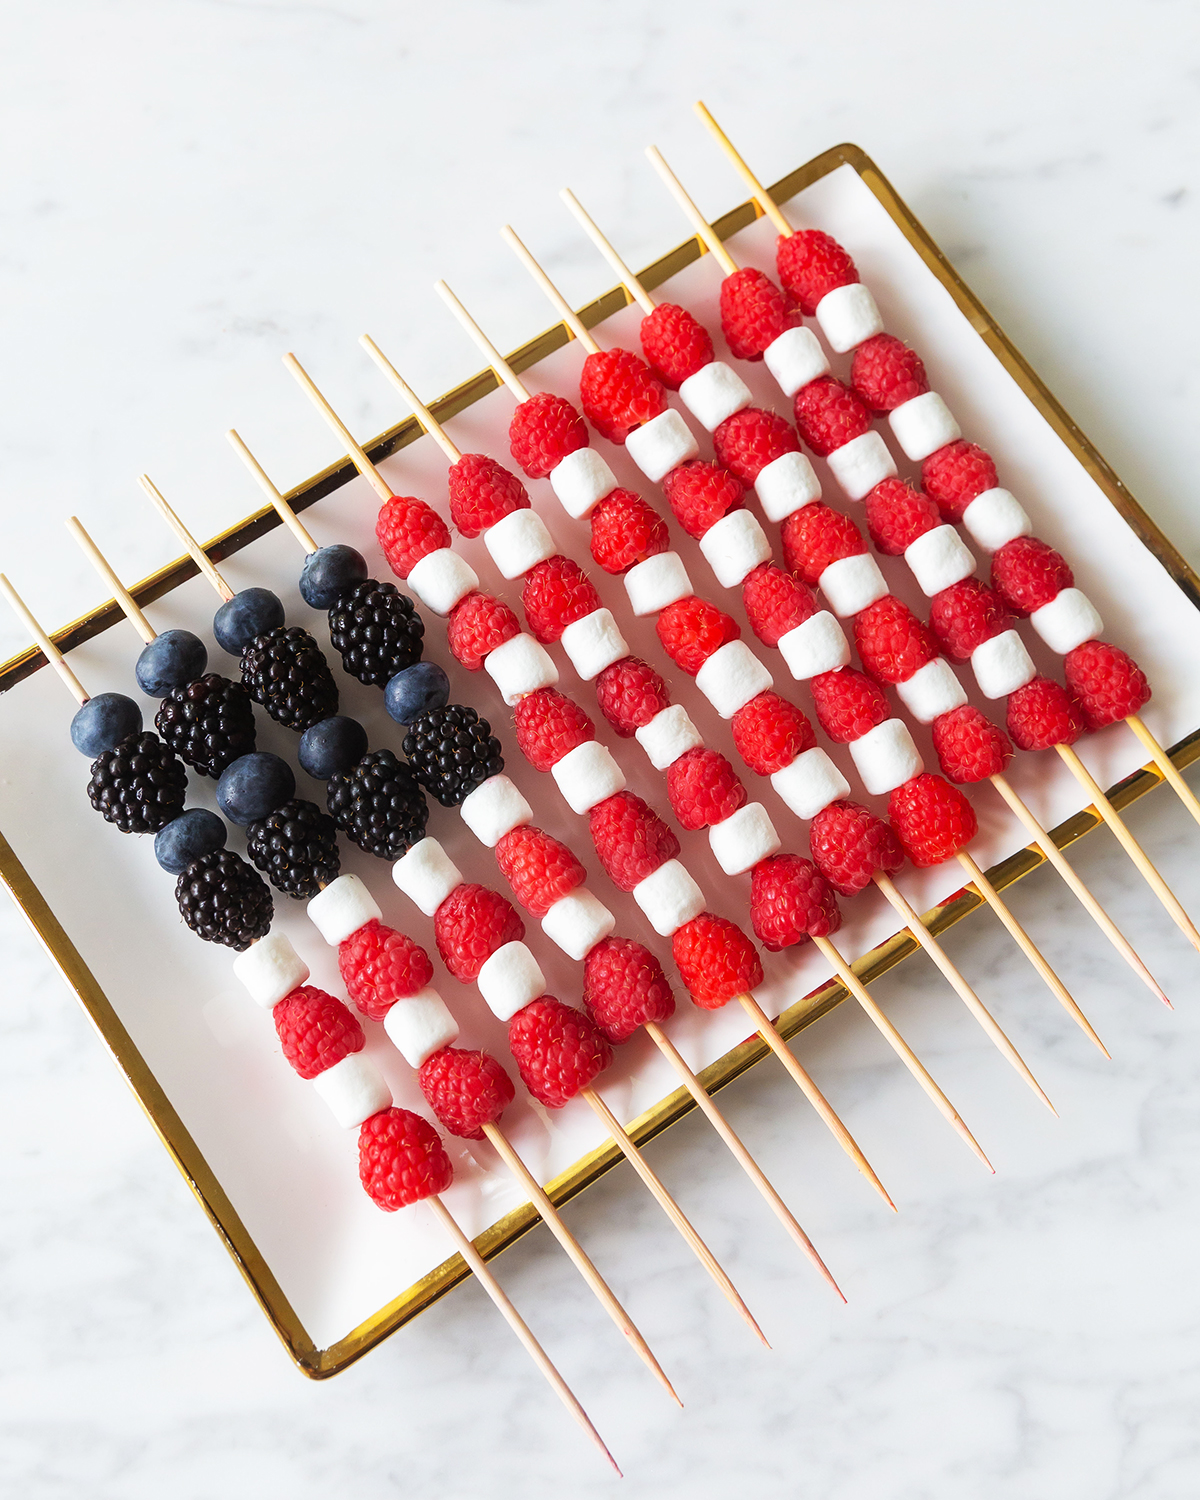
452,751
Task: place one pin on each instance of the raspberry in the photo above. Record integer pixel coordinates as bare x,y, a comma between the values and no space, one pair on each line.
540,869
848,704
556,594
969,746
630,693
829,415
380,966
619,393
401,1159
482,492
933,819
409,530
466,1090
897,515
849,844
1027,573
886,373
754,312
675,344
891,641
967,614
543,431
624,987
625,530
315,1030
630,838
477,625
700,492
776,602
770,733
751,439
548,724
815,536
471,923
558,1051
716,960
691,630
1042,714
810,264
955,474
790,902
1108,684
703,788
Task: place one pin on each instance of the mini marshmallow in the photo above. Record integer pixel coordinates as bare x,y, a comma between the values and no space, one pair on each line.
811,782
341,908
1067,621
426,875
714,393
994,518
669,898
734,546
744,838
271,969
581,481
851,583
848,316
818,645
931,691
518,542
938,559
669,734
353,1089
494,809
861,464
593,643
520,666
787,484
420,1026
731,676
587,775
1002,665
923,425
510,979
885,757
657,582
442,579
662,444
795,358
577,923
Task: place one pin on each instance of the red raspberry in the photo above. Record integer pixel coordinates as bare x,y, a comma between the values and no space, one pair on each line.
483,492
700,492
1042,714
547,725
315,1030
630,693
716,960
1027,573
810,264
471,923
625,530
691,630
466,1090
891,641
624,987
477,625
776,602
754,312
557,592
969,746
380,966
619,393
849,844
751,439
815,536
933,819
954,475
897,515
704,788
967,614
1109,685
558,1051
630,838
790,902
848,704
401,1159
543,431
770,733
675,344
829,415
408,530
540,869
886,373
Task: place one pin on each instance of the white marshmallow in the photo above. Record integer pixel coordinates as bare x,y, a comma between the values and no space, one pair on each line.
818,645
994,518
861,464
851,583
442,579
1067,621
734,546
587,775
577,923
494,809
938,559
885,757
518,542
341,908
1002,665
931,691
669,734
353,1089
795,358
848,316
581,481
811,782
714,393
787,484
510,979
731,676
923,425
657,582
420,1026
426,875
593,643
520,666
662,444
744,838
271,969
669,898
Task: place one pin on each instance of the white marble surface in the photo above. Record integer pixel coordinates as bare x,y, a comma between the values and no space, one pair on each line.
193,188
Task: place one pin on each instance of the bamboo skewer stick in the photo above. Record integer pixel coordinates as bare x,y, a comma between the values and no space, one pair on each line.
49,650
282,509
120,593
195,550
764,200
628,280
707,234
565,311
1166,765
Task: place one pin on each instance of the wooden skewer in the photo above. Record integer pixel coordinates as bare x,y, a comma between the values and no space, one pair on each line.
493,356
629,281
120,593
565,311
708,235
1166,765
419,410
49,650
355,450
195,550
760,194
282,509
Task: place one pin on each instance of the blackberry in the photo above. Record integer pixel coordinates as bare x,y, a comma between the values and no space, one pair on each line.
208,722
377,631
296,847
139,785
285,671
379,805
452,751
224,901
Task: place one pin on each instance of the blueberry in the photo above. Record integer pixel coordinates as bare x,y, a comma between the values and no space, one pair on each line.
329,573
332,747
421,686
250,613
103,722
170,660
255,785
185,838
